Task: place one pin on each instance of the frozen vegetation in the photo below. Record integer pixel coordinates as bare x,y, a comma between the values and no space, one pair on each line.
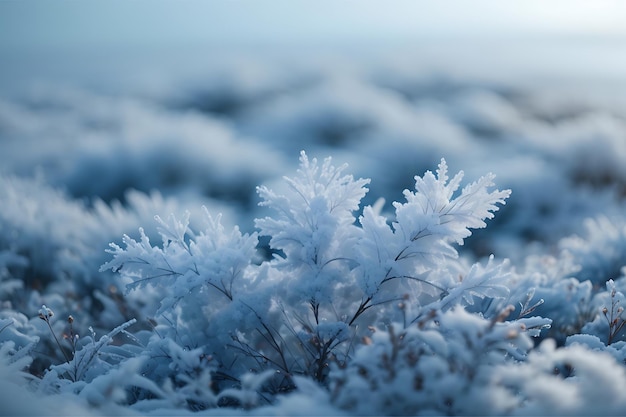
446,244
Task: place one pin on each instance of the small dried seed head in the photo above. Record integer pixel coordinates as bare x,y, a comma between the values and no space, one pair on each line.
45,313
70,319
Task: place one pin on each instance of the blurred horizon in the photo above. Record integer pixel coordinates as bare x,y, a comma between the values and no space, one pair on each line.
69,40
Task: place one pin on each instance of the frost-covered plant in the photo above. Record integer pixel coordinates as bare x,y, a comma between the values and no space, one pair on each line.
613,313
15,380
16,327
442,366
206,270
380,263
332,275
582,282
15,361
420,239
601,251
607,322
50,249
88,360
37,243
461,364
573,380
551,282
46,314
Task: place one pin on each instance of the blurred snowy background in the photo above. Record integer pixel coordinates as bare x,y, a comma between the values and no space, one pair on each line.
202,101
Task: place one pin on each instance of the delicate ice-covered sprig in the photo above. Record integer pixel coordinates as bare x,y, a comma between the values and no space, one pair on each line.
433,217
46,314
187,259
313,225
318,202
613,315
480,282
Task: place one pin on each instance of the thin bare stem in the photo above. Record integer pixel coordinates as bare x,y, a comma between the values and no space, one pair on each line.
67,358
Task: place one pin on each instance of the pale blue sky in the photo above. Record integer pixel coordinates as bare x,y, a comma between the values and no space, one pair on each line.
25,24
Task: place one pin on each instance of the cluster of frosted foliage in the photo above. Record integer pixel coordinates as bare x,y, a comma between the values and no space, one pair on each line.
50,250
600,251
37,244
608,321
580,288
353,309
314,227
573,380
457,363
332,276
443,366
550,286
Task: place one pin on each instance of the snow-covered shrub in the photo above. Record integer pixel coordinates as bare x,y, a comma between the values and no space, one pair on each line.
332,275
38,244
600,251
550,281
461,364
582,282
442,366
88,359
573,380
608,319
